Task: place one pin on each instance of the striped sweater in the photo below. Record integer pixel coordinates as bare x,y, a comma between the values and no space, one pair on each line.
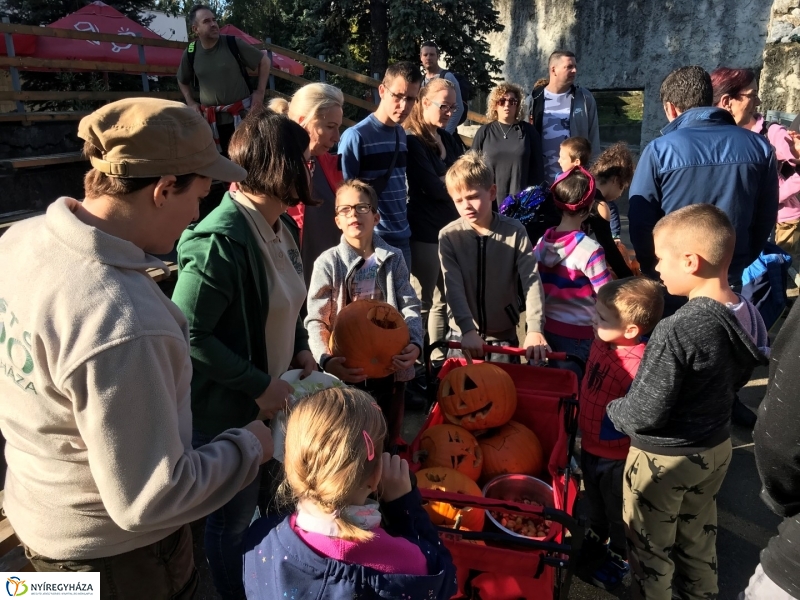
572,267
366,152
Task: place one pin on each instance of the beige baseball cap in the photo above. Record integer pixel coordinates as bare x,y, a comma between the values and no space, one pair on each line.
150,137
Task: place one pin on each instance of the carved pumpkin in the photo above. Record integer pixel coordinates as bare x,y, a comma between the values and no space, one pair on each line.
477,396
441,513
451,446
368,333
511,449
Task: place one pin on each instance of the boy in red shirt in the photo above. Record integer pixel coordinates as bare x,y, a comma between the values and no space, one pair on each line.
626,310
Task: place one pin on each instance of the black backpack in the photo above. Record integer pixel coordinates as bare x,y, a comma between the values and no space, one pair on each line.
466,92
234,48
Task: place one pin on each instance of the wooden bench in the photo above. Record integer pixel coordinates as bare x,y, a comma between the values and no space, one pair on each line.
9,165
12,554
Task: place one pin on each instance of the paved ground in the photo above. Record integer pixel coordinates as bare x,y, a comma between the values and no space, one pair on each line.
745,524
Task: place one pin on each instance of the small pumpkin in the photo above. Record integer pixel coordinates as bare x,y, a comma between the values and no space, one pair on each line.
441,513
451,446
368,333
477,396
511,449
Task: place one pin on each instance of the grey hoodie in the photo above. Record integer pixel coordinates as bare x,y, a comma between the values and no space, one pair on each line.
696,361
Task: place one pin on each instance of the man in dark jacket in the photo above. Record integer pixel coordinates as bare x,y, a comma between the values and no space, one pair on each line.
703,157
777,447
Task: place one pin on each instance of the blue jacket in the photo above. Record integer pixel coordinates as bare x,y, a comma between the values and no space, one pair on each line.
278,564
704,157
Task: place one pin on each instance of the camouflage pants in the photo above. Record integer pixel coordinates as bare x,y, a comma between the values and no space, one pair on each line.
670,513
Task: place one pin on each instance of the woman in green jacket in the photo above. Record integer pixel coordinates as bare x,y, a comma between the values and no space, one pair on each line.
241,287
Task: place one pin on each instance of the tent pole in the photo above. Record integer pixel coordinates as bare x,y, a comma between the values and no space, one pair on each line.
13,70
142,61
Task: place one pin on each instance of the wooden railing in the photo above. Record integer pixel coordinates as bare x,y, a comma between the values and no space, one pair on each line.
21,63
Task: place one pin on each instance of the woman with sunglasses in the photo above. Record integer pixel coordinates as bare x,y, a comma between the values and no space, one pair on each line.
512,147
241,287
431,151
736,90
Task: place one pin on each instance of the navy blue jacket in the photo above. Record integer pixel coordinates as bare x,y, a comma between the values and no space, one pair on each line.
278,564
704,157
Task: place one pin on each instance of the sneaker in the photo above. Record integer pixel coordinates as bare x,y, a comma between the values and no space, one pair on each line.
611,573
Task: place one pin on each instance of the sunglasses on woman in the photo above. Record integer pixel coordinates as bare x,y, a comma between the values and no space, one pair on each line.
509,101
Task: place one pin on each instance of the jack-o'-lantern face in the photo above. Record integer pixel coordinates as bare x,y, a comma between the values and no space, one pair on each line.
441,513
451,446
478,396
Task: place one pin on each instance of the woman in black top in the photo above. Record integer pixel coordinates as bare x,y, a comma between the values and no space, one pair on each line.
512,147
431,151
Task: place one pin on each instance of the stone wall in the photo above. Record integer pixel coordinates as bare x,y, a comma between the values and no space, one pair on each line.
779,87
630,44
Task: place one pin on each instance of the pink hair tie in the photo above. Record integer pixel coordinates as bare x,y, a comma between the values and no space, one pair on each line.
370,445
585,201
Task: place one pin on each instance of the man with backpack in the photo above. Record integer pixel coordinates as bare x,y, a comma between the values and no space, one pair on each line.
217,65
429,55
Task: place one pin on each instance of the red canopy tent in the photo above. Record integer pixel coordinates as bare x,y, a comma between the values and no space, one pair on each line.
278,61
101,18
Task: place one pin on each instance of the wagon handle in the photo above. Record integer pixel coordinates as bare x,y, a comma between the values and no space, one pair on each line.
489,349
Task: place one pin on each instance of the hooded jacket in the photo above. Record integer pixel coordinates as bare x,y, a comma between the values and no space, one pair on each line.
329,293
223,291
280,563
777,449
695,362
582,116
573,268
704,157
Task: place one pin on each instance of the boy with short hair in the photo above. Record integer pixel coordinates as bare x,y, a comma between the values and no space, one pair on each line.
678,410
374,151
363,266
484,256
574,152
626,310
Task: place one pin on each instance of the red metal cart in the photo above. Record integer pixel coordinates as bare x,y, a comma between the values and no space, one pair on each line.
505,567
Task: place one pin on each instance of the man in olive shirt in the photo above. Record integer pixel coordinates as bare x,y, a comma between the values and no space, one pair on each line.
219,76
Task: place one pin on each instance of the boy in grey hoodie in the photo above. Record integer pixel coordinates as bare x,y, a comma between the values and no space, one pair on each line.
363,266
678,409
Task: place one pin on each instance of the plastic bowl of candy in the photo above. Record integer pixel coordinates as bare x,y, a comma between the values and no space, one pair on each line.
522,489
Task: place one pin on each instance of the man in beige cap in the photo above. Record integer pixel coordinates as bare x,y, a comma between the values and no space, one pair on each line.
95,398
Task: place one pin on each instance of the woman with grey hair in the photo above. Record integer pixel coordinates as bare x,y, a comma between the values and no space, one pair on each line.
317,107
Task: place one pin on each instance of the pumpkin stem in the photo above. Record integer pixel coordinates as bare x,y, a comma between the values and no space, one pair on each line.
468,357
457,524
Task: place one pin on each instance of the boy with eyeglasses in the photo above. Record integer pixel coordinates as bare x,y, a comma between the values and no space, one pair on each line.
363,266
374,151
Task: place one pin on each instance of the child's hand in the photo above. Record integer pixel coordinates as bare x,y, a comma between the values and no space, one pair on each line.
395,480
536,347
472,344
335,366
407,358
273,398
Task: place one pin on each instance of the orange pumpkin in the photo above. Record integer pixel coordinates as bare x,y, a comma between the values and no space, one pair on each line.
368,333
451,446
441,513
477,396
511,449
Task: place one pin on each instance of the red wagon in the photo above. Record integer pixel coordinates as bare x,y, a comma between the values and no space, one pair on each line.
493,565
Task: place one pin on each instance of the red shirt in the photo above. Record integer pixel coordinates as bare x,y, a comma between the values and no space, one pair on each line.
609,374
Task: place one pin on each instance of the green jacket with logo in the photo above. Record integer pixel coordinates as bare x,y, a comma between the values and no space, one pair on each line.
223,291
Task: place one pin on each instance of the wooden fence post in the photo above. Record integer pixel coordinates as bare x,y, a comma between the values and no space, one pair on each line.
376,97
142,61
321,70
15,85
271,77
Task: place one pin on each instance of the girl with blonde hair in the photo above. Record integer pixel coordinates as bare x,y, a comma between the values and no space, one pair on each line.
333,544
318,108
431,151
511,146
